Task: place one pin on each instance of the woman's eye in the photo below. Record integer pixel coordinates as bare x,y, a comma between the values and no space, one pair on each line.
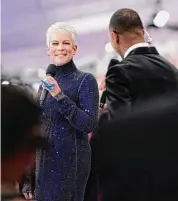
55,43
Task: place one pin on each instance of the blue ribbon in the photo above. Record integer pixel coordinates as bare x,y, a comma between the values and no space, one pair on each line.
49,87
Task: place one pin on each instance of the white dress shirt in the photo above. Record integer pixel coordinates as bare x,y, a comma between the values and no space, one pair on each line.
134,47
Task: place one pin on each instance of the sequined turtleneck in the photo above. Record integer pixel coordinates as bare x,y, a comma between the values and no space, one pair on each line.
65,69
62,172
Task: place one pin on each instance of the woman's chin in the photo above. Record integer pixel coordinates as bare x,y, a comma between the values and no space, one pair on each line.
61,62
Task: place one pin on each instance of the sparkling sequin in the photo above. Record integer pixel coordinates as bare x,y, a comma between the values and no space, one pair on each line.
64,168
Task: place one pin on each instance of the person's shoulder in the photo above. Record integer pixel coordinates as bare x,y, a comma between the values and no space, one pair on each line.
168,64
86,76
118,68
131,63
116,65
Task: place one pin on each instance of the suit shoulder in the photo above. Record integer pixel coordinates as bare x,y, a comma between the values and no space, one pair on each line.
114,64
119,67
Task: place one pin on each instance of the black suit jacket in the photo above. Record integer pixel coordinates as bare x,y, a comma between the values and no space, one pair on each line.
142,75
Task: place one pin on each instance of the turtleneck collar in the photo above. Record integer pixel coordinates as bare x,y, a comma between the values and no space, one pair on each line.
66,68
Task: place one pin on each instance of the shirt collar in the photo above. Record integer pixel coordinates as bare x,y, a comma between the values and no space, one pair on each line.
134,47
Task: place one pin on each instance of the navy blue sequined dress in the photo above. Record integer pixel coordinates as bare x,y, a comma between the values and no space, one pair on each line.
63,170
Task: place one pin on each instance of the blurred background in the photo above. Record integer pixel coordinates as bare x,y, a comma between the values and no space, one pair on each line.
24,24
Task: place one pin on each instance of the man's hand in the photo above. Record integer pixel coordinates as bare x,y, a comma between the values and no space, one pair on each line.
28,196
102,85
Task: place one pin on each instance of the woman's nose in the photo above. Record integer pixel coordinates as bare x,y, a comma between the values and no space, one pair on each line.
60,47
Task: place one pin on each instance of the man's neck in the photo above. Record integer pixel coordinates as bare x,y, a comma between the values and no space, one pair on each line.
127,43
129,47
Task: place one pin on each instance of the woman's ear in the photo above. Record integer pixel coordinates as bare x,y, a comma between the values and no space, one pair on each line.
75,49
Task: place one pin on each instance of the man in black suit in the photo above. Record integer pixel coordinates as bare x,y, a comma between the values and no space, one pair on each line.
142,74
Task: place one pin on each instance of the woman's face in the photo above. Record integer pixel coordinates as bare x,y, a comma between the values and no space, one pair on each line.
61,48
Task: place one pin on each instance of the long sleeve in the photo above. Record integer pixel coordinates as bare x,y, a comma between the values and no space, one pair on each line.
83,116
118,93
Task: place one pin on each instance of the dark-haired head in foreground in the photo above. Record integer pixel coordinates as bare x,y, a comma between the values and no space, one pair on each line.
136,157
20,134
126,29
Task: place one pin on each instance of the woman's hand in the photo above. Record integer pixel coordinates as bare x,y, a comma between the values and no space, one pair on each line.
54,90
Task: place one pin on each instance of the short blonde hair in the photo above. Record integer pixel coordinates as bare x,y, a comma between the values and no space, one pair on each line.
58,26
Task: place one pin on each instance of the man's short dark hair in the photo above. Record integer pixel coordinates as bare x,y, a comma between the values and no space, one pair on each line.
19,113
125,20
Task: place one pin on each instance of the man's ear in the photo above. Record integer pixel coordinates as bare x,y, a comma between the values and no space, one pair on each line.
115,37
